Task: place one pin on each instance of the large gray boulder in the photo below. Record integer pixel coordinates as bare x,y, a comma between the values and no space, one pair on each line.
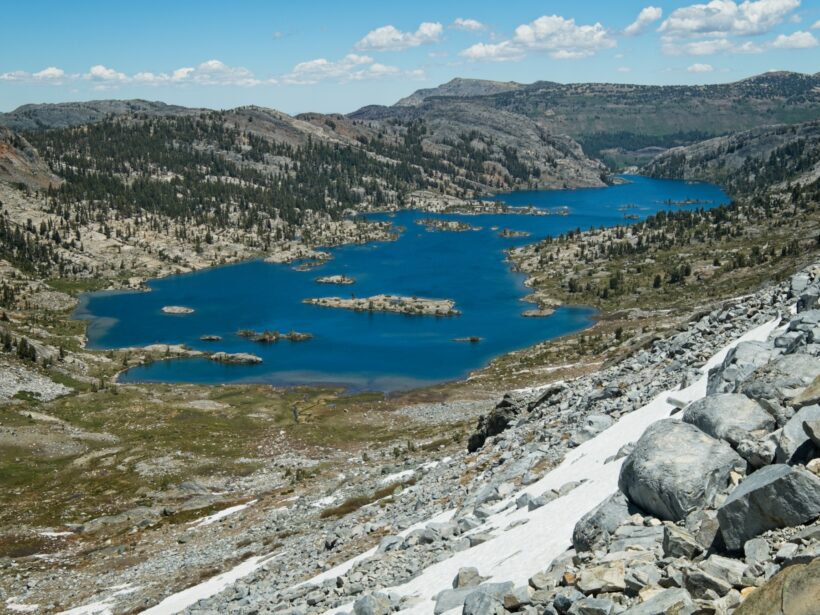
594,529
676,468
728,416
775,496
795,445
739,364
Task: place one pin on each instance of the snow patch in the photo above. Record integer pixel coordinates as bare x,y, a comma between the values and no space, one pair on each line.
182,600
222,514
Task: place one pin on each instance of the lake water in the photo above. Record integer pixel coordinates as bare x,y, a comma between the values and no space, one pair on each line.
373,351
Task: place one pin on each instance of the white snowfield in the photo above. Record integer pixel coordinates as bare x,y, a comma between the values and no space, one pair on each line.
513,554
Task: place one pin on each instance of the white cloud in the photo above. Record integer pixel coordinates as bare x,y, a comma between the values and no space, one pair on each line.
471,25
647,16
353,67
212,72
103,73
700,68
390,38
16,75
724,17
624,69
796,40
52,72
493,52
558,35
816,25
561,38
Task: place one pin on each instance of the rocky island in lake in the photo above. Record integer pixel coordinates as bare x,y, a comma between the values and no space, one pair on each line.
453,226
269,337
415,306
236,358
177,309
342,280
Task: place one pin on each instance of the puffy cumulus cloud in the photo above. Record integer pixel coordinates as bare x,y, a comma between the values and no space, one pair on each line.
505,51
103,73
796,40
390,38
471,25
816,25
52,72
725,17
646,17
700,68
352,67
561,38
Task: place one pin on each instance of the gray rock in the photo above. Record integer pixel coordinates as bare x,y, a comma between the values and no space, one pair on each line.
758,453
776,384
592,606
739,364
775,496
700,584
795,445
516,598
756,550
565,598
676,601
724,568
676,468
594,529
451,598
729,417
677,542
467,577
372,604
608,577
812,429
480,603
632,536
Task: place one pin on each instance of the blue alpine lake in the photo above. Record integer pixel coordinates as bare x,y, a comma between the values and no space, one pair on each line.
374,351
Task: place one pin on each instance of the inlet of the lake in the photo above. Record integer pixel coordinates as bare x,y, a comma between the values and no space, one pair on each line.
364,350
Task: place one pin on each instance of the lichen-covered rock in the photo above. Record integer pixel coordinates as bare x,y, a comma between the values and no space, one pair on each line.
676,468
793,591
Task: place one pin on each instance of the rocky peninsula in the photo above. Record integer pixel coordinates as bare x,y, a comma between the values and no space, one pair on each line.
413,306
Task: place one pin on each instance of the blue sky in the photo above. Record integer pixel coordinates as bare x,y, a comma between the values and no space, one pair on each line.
337,56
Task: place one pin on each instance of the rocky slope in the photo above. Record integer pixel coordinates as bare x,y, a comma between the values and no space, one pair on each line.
711,503
393,539
765,157
20,164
